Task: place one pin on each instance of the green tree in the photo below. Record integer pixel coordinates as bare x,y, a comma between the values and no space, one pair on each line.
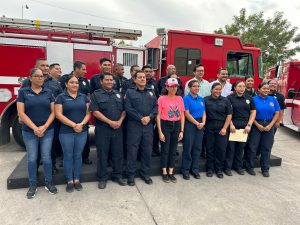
276,37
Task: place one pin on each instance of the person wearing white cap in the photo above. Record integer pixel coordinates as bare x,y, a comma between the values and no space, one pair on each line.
170,123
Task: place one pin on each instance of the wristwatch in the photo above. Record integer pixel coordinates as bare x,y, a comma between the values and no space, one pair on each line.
249,125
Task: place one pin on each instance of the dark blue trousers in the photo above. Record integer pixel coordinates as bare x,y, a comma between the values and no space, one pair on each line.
192,148
215,146
265,141
109,140
139,137
234,151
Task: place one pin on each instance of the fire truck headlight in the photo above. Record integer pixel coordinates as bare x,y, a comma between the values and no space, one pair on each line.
5,95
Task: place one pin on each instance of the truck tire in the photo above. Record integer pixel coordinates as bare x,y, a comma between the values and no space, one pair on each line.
17,131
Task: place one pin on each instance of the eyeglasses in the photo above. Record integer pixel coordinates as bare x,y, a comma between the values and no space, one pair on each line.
39,77
200,71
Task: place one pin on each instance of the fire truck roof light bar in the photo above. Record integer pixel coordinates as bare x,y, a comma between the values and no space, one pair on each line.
115,33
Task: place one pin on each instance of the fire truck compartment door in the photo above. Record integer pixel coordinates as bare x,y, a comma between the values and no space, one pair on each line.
62,53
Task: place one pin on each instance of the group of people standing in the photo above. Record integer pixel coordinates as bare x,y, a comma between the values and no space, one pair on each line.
132,115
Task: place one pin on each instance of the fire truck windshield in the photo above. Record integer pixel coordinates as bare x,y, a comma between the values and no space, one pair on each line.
239,64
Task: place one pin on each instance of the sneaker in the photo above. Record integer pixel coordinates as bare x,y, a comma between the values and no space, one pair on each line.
228,172
219,174
251,172
51,188
78,186
119,181
70,187
209,173
196,175
165,178
102,184
265,173
172,178
130,182
31,192
240,172
186,176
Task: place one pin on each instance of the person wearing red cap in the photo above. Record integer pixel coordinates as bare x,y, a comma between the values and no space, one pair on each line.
170,123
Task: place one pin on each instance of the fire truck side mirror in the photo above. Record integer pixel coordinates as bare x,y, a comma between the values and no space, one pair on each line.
291,93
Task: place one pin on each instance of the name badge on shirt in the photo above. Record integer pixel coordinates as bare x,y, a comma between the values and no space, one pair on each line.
150,93
271,104
118,95
83,82
152,87
248,101
30,94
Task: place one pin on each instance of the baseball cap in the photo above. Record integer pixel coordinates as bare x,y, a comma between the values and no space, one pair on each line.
172,82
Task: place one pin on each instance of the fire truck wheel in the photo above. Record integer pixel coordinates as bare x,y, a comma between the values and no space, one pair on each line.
17,131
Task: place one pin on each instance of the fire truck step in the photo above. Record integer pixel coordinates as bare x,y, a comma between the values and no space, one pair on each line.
19,179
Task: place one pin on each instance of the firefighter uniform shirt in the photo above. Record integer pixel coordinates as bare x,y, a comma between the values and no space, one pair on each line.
241,106
37,106
109,103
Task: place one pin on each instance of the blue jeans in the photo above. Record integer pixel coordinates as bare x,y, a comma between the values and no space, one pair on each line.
72,145
32,146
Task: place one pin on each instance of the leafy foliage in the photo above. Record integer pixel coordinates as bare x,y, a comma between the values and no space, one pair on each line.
276,37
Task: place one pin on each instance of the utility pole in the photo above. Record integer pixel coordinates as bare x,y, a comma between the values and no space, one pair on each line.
26,7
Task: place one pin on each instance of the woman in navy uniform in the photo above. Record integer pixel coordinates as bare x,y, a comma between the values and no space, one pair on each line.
243,115
193,131
218,117
262,133
35,105
71,108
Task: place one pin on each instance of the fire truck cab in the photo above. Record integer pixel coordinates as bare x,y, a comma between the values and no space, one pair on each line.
185,49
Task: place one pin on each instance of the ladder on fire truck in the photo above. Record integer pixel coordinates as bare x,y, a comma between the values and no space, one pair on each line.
106,32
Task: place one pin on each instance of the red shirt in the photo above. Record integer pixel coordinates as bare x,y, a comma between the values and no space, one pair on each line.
171,109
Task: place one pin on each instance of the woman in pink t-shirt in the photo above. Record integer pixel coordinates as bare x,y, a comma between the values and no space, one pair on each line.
170,123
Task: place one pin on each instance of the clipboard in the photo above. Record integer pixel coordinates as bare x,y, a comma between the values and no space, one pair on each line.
238,136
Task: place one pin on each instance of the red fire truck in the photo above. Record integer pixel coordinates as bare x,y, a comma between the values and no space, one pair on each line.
24,41
288,76
185,49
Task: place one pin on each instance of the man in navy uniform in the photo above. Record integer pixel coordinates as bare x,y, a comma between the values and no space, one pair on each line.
141,108
129,83
105,67
108,108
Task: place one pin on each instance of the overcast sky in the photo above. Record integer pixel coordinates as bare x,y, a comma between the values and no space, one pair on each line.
147,15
